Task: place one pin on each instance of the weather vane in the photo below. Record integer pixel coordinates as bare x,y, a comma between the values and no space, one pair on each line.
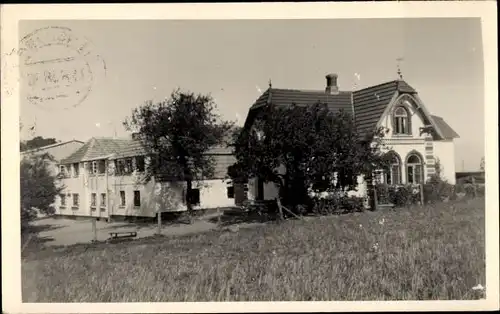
400,75
270,84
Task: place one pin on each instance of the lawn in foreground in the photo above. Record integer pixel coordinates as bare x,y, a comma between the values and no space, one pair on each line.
434,252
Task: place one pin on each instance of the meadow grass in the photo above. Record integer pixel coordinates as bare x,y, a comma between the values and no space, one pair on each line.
417,253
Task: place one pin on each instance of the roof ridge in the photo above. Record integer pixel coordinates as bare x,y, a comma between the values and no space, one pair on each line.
319,91
50,146
377,85
110,138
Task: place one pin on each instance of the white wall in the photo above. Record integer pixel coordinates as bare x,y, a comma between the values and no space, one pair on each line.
416,123
165,197
213,194
404,144
271,191
252,189
403,149
445,151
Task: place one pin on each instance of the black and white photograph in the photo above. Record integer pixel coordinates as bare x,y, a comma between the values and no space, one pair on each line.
250,159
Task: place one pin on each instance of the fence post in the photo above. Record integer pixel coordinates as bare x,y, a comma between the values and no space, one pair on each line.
421,194
94,229
159,222
375,197
474,188
280,210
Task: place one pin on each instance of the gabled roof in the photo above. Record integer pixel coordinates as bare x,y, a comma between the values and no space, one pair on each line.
57,151
371,102
112,148
49,146
447,131
287,97
97,148
367,104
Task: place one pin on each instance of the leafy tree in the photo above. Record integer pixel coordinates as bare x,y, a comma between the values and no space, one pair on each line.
39,187
298,147
177,133
36,142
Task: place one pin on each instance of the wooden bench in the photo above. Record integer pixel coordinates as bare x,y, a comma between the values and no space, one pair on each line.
119,235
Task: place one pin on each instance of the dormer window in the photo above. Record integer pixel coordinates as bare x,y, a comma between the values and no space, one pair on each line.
401,123
76,170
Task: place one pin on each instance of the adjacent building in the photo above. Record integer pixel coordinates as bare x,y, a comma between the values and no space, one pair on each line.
105,178
57,151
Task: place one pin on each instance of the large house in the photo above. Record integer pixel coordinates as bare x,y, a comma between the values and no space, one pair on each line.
105,179
416,138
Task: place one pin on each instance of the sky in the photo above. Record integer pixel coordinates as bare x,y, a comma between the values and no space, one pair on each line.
234,60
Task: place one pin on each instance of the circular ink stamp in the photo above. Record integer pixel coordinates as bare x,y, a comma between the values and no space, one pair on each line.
58,69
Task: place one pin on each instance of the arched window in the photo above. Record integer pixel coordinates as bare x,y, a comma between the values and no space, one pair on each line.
414,169
393,173
401,121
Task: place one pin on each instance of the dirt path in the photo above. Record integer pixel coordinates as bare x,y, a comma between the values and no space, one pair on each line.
55,232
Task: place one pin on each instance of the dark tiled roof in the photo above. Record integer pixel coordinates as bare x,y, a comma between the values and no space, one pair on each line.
102,148
370,104
287,97
97,148
445,128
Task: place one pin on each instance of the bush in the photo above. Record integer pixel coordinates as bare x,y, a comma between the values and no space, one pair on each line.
437,190
398,195
338,203
469,188
481,190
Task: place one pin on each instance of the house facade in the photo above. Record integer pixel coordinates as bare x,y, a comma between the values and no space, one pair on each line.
416,139
58,151
105,178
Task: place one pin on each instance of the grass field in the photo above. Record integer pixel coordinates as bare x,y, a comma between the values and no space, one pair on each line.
434,252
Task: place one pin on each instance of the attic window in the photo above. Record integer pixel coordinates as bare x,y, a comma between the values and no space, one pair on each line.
402,123
139,163
101,166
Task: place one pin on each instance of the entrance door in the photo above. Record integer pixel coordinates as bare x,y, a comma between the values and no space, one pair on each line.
260,189
240,194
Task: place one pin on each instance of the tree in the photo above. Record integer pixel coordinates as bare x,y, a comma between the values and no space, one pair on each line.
177,133
36,142
299,147
39,187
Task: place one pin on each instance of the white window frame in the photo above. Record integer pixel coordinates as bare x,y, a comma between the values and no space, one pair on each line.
414,166
103,199
123,201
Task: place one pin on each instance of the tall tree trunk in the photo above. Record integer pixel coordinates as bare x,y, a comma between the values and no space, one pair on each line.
189,205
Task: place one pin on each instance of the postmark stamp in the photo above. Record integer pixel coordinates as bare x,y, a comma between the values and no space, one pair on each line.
58,68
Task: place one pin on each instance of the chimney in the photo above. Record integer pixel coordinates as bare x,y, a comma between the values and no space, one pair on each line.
331,84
